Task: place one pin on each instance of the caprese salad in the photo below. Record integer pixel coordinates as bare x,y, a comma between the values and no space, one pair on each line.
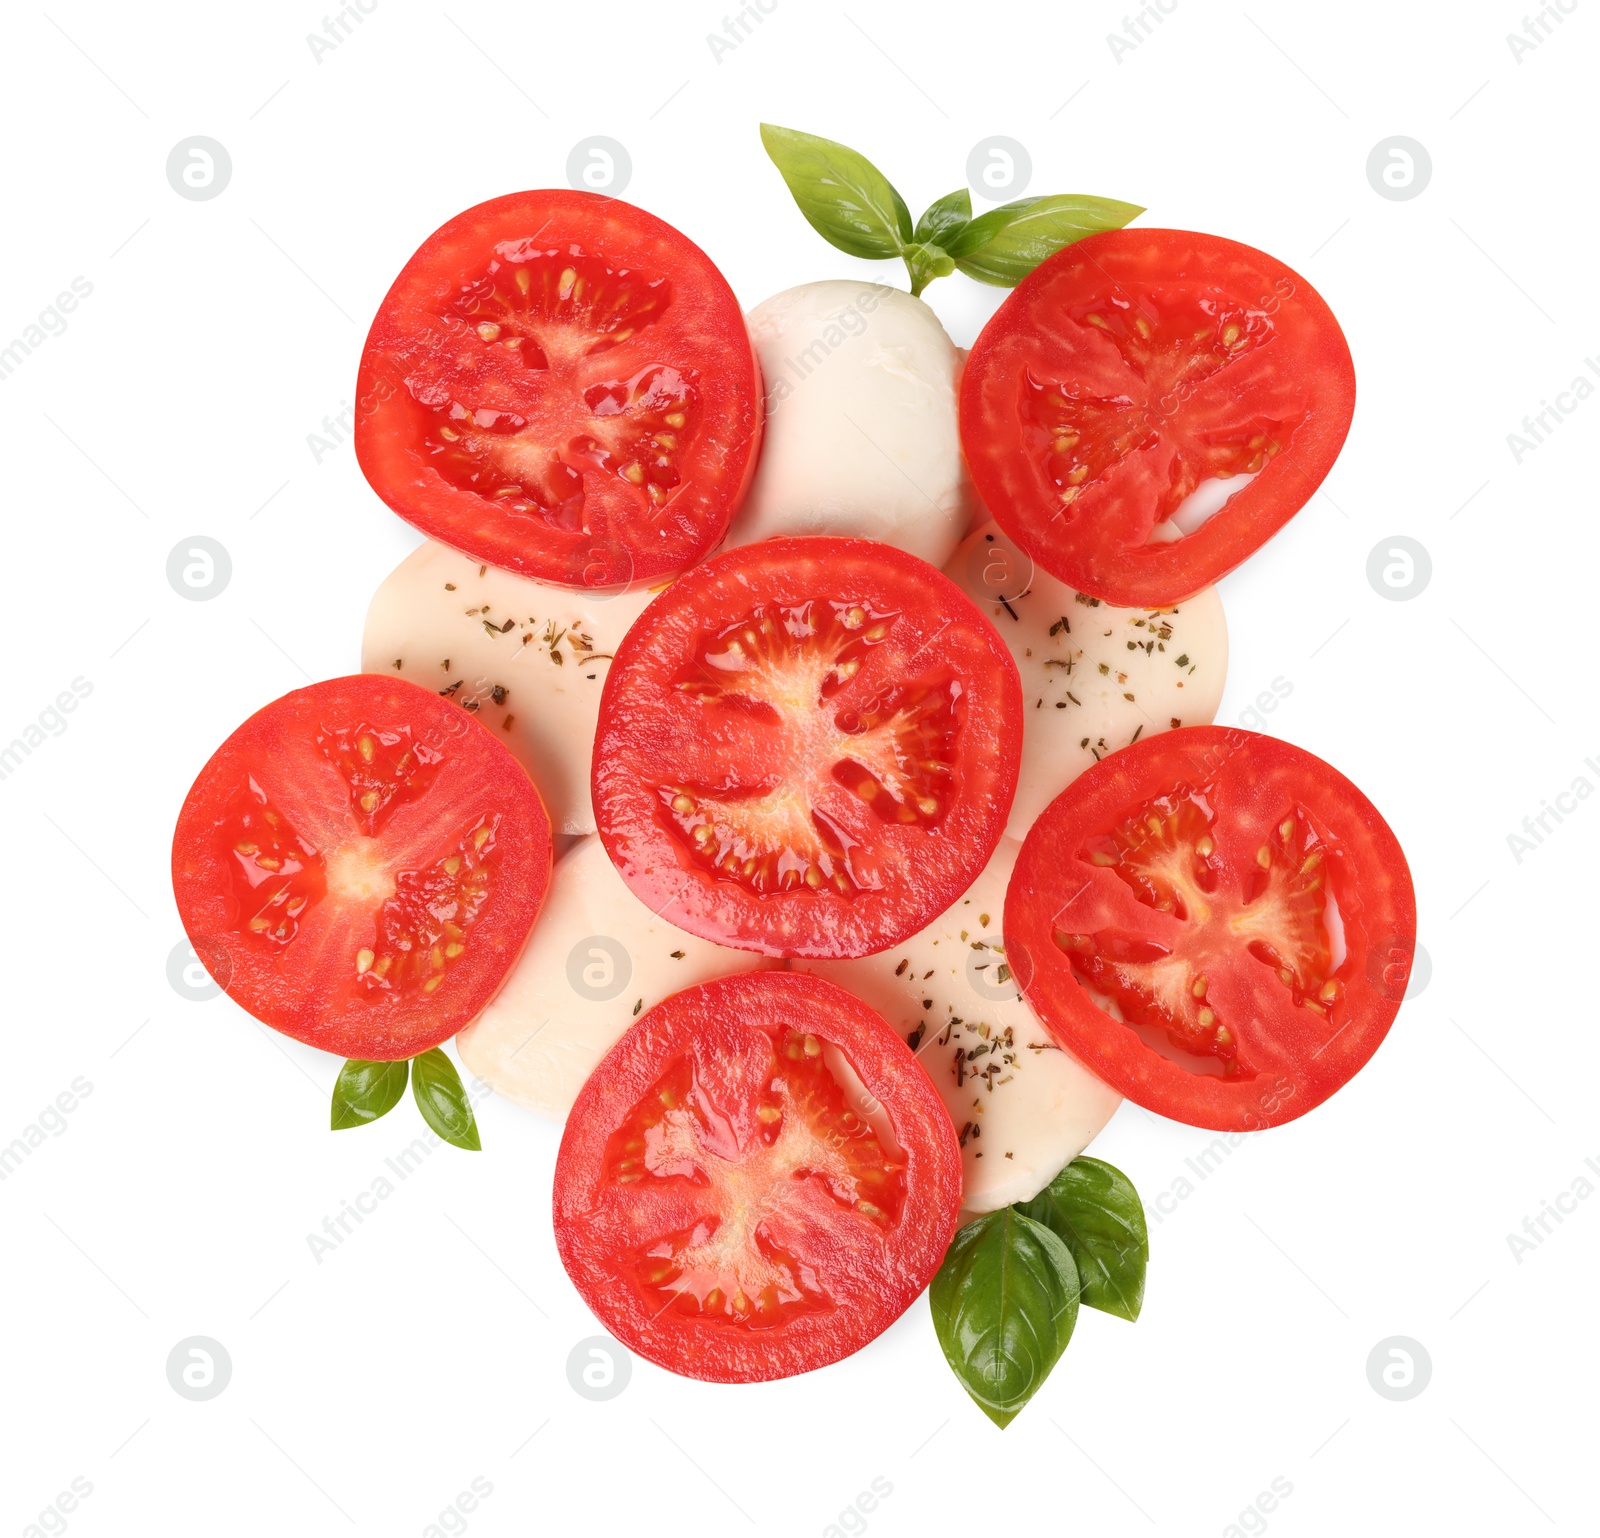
789,760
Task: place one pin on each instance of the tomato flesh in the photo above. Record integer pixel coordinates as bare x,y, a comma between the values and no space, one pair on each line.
807,747
362,863
561,385
1128,370
1236,903
728,1207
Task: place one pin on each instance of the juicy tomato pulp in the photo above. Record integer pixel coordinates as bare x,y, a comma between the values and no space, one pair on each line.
807,747
1131,369
561,385
1242,912
756,1181
359,864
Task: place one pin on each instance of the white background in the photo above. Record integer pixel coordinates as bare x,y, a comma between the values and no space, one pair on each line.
369,1390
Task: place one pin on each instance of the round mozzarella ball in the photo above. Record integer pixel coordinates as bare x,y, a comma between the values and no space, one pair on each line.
1024,1107
860,435
597,959
528,660
1094,678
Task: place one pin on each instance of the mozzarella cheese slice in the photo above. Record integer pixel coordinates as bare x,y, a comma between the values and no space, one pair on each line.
597,959
1094,678
1023,1107
527,659
860,436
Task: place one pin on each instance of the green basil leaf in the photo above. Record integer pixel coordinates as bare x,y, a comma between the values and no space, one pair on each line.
1004,245
846,199
365,1091
442,1100
1093,1208
1004,1303
941,220
925,263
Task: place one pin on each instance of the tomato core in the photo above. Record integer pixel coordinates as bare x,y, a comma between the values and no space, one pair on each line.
1169,396
1164,853
781,667
541,315
418,918
724,1267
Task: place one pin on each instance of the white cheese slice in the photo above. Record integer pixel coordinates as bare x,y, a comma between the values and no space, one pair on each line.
528,659
861,437
1094,678
597,959
1023,1107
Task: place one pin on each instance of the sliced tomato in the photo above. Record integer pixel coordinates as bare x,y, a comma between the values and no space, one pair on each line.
1128,370
807,747
1218,924
359,865
756,1181
562,385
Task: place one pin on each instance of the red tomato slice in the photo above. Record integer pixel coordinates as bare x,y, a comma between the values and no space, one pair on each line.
561,385
727,1201
359,864
1126,370
1242,906
807,747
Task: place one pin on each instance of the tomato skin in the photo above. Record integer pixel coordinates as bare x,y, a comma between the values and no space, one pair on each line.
647,734
301,989
1299,1057
706,338
1102,548
872,1278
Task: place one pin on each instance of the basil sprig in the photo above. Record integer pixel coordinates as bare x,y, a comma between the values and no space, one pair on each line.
440,1096
1004,245
945,218
364,1091
1005,1300
1004,1304
1092,1207
846,199
850,203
